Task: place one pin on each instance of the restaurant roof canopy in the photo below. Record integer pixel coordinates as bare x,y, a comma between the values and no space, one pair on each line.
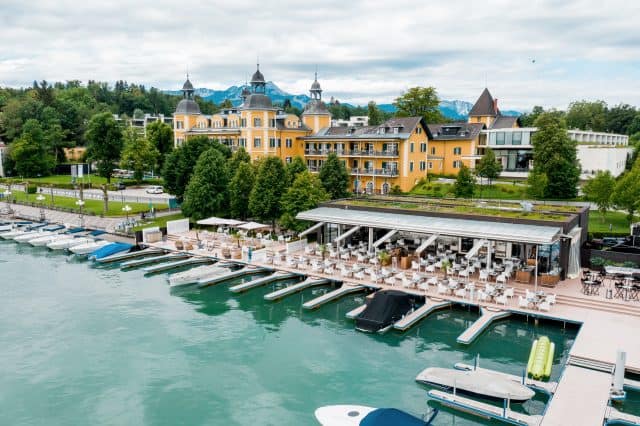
499,231
217,221
252,226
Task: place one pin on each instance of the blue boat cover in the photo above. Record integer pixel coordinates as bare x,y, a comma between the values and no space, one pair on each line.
110,249
53,227
96,233
390,417
74,230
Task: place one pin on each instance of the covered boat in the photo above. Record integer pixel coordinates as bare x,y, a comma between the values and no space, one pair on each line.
476,382
359,415
68,242
387,307
110,249
87,248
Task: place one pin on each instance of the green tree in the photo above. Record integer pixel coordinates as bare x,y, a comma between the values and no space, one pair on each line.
206,194
161,136
105,143
626,194
180,163
620,118
270,184
305,193
419,102
587,115
537,184
240,190
226,104
465,183
527,119
488,167
374,114
238,157
138,154
294,168
555,155
599,189
334,177
30,152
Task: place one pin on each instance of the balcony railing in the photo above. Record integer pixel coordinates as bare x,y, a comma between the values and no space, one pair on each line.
389,172
352,153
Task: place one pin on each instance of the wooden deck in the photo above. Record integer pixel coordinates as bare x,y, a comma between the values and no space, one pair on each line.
422,312
287,291
487,317
333,295
357,311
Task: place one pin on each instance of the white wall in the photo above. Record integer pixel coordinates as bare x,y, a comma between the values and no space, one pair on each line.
175,227
595,158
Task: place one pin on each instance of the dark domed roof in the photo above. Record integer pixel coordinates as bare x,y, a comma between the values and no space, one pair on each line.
187,106
245,91
187,85
257,77
257,101
315,106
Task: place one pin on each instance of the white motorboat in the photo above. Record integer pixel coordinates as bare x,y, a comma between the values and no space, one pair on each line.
477,382
88,248
65,243
12,234
356,415
44,240
192,276
28,237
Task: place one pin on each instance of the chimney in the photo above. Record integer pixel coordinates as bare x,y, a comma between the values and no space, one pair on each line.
495,105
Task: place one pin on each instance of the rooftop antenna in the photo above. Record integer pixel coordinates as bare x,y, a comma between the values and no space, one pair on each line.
316,75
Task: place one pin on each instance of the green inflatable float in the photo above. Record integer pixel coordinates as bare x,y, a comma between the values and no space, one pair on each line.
541,358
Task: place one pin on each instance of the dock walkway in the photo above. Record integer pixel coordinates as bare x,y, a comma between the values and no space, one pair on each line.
357,311
613,414
549,387
119,257
278,276
422,312
483,409
192,261
333,295
206,282
287,291
487,317
152,260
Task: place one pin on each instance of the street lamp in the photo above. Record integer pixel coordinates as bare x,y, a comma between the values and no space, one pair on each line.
7,194
41,198
127,209
80,203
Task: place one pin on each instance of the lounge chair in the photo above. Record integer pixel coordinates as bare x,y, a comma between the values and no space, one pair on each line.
501,300
415,266
484,276
359,275
461,292
510,292
442,289
544,306
551,298
523,302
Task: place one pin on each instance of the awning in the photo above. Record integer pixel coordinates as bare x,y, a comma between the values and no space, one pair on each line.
214,221
476,247
427,243
252,226
313,228
385,237
346,234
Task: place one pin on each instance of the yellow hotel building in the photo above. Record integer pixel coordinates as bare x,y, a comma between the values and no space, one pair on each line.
378,158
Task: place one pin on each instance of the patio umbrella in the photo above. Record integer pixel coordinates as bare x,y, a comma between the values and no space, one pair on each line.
253,226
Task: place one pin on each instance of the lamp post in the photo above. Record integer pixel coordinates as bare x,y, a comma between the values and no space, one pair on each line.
80,203
7,194
40,199
126,209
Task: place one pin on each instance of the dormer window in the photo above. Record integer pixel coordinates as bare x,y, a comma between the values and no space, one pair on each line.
396,130
381,130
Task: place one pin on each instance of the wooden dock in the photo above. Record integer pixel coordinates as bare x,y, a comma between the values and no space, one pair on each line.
119,257
487,317
333,295
246,271
287,291
152,260
278,276
352,314
192,261
483,409
422,312
548,387
625,418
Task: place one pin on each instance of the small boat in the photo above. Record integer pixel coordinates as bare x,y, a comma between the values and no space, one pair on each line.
476,382
192,276
110,249
68,242
360,415
27,236
541,358
87,248
386,307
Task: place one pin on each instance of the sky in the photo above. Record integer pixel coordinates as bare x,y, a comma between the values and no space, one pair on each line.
539,52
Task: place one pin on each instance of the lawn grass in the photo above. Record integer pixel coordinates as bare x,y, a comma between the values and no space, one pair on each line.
159,221
95,180
91,206
499,191
617,220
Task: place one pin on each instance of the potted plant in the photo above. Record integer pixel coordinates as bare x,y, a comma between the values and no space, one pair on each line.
323,250
384,258
445,267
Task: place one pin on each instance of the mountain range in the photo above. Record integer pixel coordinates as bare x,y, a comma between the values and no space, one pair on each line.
455,110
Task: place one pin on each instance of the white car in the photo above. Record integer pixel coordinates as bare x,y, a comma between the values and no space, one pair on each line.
154,190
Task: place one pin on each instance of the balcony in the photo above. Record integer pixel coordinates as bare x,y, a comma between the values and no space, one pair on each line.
352,153
388,172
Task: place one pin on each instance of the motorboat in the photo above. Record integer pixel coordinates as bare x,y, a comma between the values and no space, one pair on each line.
386,307
477,382
88,248
360,415
25,237
68,242
110,249
192,276
44,240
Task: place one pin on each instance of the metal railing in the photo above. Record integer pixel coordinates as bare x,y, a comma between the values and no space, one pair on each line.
352,153
390,172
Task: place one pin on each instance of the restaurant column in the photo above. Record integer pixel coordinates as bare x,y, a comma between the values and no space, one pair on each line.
370,240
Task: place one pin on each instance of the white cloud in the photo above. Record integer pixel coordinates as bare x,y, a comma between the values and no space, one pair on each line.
363,50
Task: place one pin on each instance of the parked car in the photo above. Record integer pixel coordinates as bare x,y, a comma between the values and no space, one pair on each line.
120,186
154,190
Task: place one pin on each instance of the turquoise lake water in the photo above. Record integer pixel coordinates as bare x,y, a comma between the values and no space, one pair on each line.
87,345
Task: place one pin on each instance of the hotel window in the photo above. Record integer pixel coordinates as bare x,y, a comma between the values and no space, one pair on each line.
517,138
418,130
457,164
411,166
279,142
433,150
257,122
423,165
243,122
179,141
411,147
179,125
287,160
423,147
457,150
256,143
272,142
272,122
288,143
500,138
242,142
430,165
